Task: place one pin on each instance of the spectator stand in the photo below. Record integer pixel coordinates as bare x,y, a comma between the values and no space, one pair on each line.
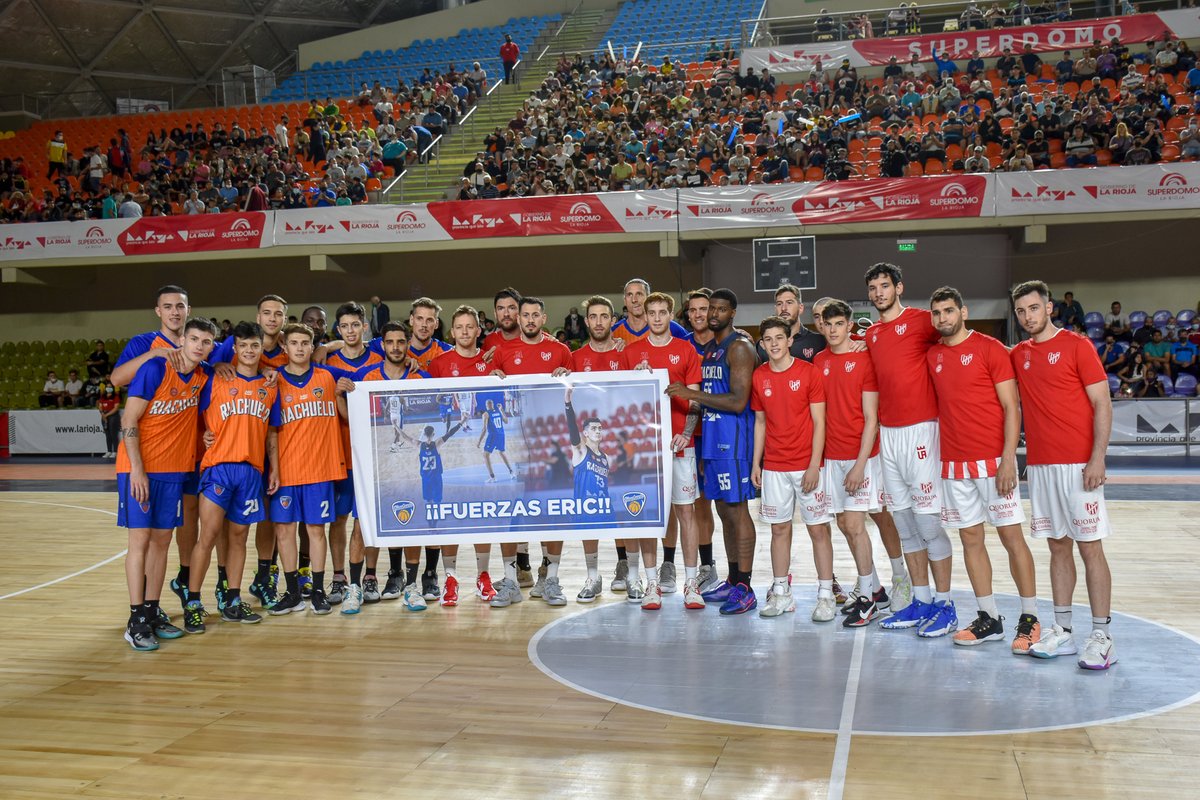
23,366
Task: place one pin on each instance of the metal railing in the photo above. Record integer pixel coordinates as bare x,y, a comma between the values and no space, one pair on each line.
803,29
423,158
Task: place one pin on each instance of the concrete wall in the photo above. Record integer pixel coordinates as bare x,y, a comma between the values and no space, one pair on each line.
437,25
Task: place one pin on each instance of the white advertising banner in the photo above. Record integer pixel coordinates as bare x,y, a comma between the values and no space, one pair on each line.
1154,187
526,458
755,206
1155,422
55,432
357,225
97,237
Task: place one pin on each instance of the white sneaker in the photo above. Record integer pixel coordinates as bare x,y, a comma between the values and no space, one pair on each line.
1054,642
413,600
707,578
352,599
652,600
777,604
825,610
1099,652
635,590
620,579
901,595
692,599
666,578
394,448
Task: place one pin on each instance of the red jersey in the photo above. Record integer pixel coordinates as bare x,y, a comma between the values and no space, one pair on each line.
238,412
453,364
785,398
310,439
971,419
588,359
845,376
679,359
898,354
497,340
533,359
1053,376
169,426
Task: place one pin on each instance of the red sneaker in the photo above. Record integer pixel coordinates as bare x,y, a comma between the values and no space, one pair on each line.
450,593
483,587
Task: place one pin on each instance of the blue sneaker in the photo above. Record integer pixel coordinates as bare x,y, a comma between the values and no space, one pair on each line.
741,599
265,592
719,593
943,621
222,587
911,616
180,591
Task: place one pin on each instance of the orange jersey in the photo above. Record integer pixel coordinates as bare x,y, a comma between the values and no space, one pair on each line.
340,360
238,412
167,430
310,441
423,358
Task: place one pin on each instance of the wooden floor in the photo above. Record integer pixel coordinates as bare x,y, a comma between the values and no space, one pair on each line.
446,704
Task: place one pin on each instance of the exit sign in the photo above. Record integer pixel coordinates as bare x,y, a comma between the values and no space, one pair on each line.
906,245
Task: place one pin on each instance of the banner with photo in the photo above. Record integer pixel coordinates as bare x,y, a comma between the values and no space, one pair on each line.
467,461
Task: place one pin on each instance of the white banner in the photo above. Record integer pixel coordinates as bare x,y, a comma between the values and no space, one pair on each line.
1154,422
97,237
455,461
54,432
1154,187
357,225
742,207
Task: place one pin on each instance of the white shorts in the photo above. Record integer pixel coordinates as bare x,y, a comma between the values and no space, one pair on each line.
967,502
1062,507
781,493
465,401
683,478
868,498
911,461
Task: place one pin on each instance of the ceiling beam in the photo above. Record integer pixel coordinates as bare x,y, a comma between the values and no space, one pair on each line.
96,73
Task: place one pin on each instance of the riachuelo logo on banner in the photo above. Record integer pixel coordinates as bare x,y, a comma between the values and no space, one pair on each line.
634,502
403,511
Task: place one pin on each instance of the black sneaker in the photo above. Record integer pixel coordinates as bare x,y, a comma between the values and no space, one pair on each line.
193,617
882,601
320,603
370,589
393,588
141,638
337,592
286,604
861,612
265,592
180,591
162,628
985,628
429,586
222,588
239,612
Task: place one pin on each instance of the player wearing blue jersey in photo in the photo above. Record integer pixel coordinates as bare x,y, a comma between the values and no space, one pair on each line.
726,443
589,462
491,438
446,409
429,463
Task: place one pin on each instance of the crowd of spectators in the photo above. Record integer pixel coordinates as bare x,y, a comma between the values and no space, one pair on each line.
905,19
330,157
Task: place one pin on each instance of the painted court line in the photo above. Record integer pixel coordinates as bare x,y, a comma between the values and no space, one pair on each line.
73,574
841,751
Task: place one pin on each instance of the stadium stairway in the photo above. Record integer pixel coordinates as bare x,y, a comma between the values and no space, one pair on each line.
439,179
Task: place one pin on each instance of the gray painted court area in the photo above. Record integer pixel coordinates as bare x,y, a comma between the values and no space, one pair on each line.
791,673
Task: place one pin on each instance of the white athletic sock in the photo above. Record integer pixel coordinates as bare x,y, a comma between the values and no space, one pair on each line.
592,560
651,574
483,560
941,597
987,604
899,569
1062,617
1029,605
634,557
875,584
552,567
450,563
1101,624
864,583
824,588
922,593
780,586
510,570
690,573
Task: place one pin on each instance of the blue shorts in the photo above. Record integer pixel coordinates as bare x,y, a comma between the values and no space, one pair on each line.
312,504
163,511
237,489
493,443
343,496
431,489
191,484
728,480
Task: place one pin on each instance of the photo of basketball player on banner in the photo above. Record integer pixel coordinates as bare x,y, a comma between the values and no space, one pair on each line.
525,457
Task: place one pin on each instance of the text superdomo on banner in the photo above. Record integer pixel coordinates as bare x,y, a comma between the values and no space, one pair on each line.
456,461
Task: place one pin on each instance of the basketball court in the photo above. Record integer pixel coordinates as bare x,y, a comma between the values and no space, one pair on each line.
596,702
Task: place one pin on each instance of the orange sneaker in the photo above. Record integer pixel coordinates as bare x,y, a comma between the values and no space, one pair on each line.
483,587
985,628
1029,631
450,593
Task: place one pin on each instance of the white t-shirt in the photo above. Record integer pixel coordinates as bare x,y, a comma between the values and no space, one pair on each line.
55,385
74,387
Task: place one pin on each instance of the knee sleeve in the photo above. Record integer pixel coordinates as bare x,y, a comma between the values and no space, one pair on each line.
906,526
929,526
